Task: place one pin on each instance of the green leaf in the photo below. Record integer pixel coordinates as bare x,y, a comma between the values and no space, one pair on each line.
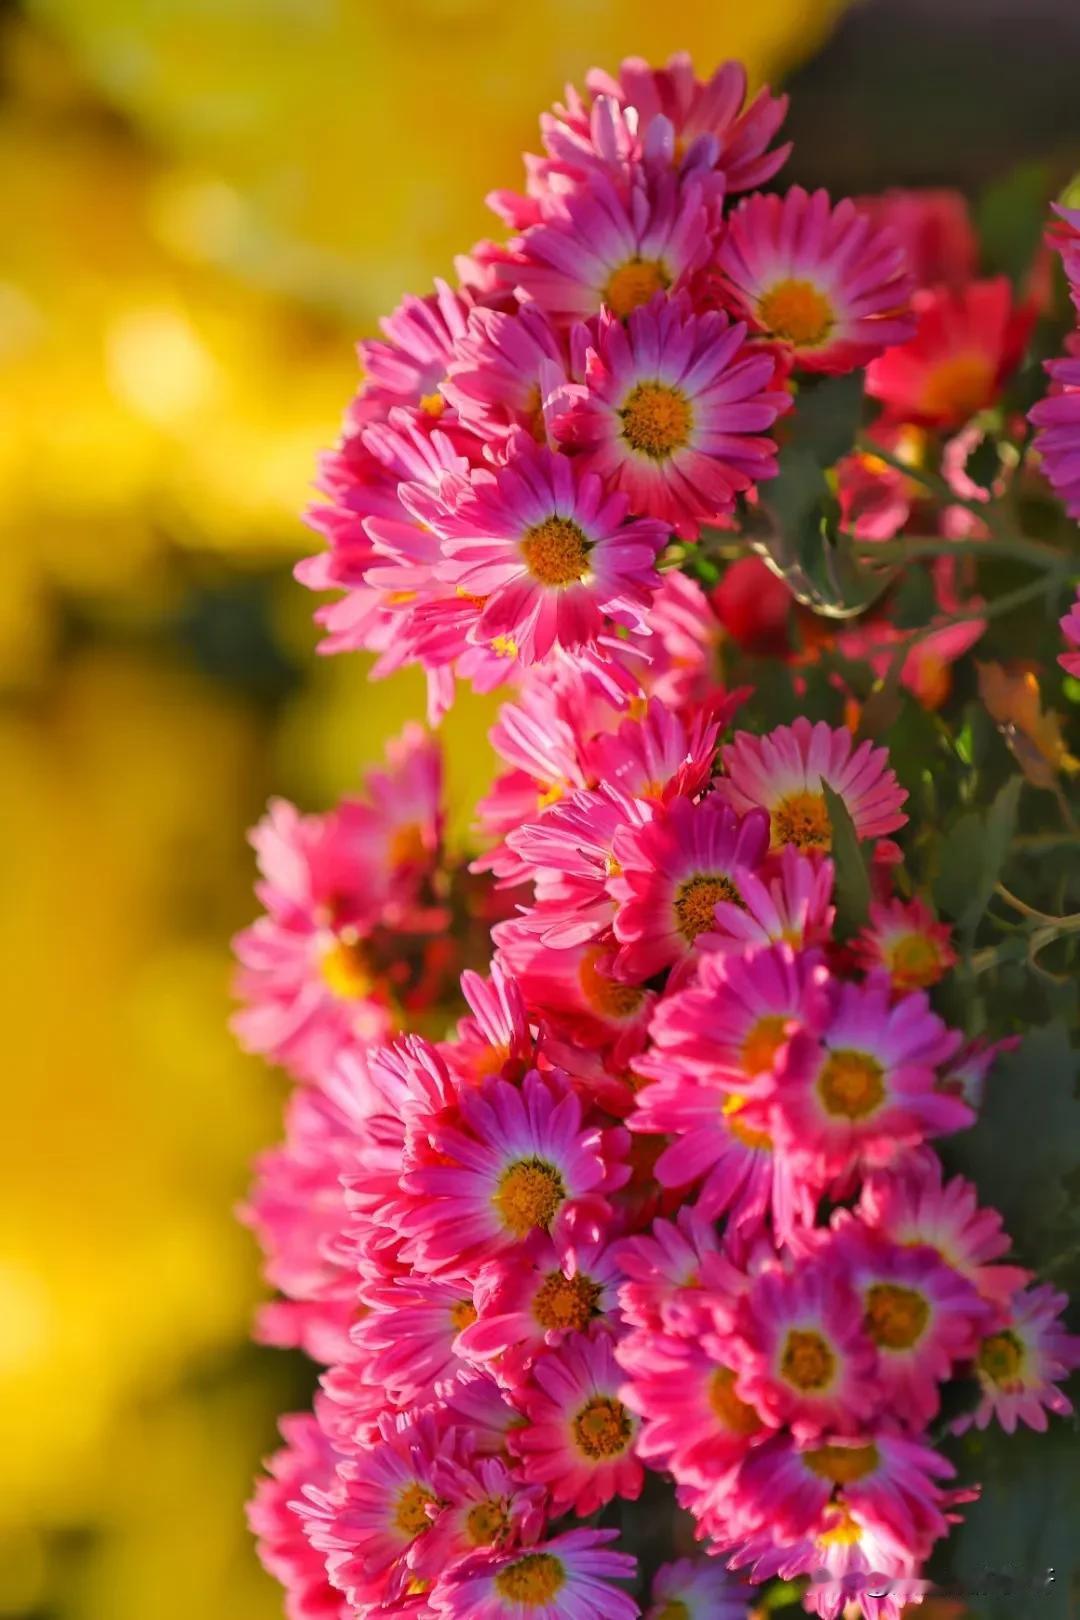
1024,1149
852,877
973,854
1010,219
826,418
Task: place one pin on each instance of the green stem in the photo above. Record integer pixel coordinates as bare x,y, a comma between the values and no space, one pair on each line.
909,548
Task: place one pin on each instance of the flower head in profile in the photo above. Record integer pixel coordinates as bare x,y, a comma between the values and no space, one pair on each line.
673,872
306,1459
546,554
570,1576
579,1438
676,413
783,773
819,279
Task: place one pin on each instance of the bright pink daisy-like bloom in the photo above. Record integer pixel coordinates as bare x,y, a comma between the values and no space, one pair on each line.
547,552
508,371
658,754
673,873
697,1589
693,1422
676,413
482,1506
1070,629
579,1440
668,1268
791,905
923,1317
802,1353
865,1088
567,1578
783,771
1019,1364
519,1160
1057,417
905,939
307,1458
915,1206
822,280
409,366
614,248
966,342
407,1338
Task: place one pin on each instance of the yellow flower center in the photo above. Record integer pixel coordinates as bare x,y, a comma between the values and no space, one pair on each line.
634,283
487,1522
565,1302
802,819
958,387
556,552
345,968
656,420
851,1084
528,1194
531,1581
462,1314
746,1134
696,901
895,1317
604,994
762,1043
914,962
504,646
842,1464
1001,1358
734,1414
808,1361
602,1428
841,1529
675,1609
410,1514
432,404
798,312
407,847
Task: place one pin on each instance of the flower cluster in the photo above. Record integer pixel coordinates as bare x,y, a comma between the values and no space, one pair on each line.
664,1209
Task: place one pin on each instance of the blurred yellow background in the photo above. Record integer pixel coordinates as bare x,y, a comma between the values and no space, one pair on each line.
205,203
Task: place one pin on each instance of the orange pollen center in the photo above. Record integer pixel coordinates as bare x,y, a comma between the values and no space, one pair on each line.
487,1522
602,1428
914,962
958,387
802,819
604,994
634,283
675,1609
1001,1358
462,1314
895,1317
432,404
852,1084
841,1529
556,552
407,847
807,1361
345,968
565,1302
762,1043
656,420
410,1514
798,312
696,901
744,1133
528,1195
734,1414
504,646
842,1464
531,1581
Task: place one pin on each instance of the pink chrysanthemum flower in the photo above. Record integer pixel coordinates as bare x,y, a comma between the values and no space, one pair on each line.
802,1353
866,1088
530,1302
1019,1364
548,552
408,368
923,1317
904,938
915,1206
508,371
574,990
1070,629
668,1268
566,1578
697,1589
496,1038
676,413
782,772
853,1568
521,1158
821,280
672,875
483,1506
1057,417
579,1440
658,754
610,247
692,1420
307,1458
791,905
407,1340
